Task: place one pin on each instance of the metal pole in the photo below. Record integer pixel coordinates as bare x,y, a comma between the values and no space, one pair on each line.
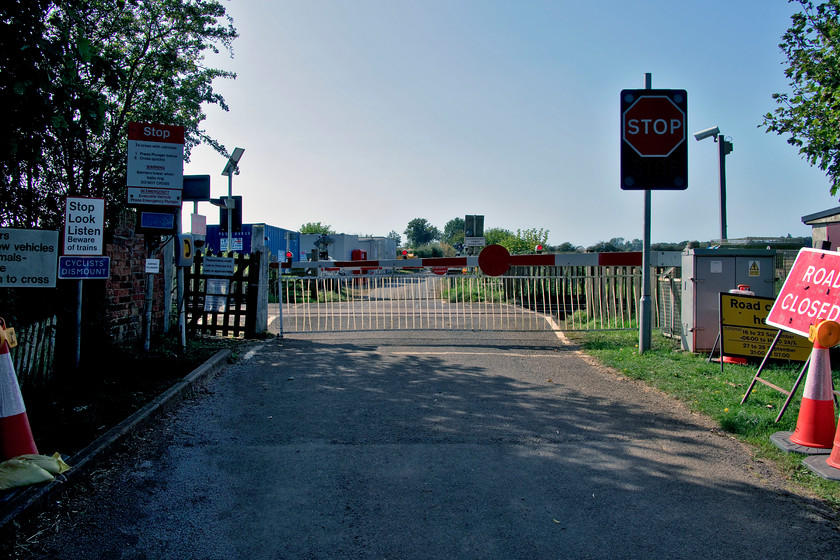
722,153
645,303
182,317
150,286
77,346
230,211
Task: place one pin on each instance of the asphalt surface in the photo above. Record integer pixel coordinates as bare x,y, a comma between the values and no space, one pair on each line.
437,445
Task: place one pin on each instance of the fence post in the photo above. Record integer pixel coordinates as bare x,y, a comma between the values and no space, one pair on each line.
252,296
261,284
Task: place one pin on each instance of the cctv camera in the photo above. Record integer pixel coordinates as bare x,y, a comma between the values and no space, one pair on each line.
714,131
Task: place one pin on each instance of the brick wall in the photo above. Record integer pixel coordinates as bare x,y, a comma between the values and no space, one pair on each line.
125,291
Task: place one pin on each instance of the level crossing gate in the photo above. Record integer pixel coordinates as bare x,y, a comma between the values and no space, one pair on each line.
578,291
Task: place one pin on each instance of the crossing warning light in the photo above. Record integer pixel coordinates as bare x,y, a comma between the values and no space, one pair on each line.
289,256
404,253
538,248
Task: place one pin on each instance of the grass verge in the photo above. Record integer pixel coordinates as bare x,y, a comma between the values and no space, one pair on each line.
703,388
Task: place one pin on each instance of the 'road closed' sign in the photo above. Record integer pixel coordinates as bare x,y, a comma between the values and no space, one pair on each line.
810,294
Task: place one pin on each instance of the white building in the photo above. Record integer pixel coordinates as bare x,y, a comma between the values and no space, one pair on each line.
377,248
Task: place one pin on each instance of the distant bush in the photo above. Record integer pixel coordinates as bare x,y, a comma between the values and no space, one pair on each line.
428,251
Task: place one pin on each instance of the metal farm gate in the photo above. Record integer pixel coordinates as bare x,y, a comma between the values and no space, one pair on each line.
538,293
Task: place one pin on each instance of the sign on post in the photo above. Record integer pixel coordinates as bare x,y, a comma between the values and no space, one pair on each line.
810,294
84,224
28,258
654,149
155,164
84,268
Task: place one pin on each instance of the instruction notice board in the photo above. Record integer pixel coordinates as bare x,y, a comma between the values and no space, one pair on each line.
744,332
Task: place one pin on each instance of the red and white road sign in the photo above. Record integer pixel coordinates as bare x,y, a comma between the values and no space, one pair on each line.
155,164
810,294
654,126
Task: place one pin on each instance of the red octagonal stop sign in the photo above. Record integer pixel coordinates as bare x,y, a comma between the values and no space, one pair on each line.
654,126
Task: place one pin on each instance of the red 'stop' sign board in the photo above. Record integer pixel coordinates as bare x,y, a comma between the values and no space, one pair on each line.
811,292
654,149
653,126
168,133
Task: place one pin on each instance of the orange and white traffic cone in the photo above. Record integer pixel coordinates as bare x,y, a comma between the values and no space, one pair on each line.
827,467
15,433
815,426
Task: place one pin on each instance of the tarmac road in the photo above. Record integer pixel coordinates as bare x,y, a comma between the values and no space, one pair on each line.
439,445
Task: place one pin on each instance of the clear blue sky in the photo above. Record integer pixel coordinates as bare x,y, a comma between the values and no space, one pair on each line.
365,114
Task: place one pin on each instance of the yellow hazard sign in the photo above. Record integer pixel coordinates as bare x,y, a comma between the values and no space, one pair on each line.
755,268
745,333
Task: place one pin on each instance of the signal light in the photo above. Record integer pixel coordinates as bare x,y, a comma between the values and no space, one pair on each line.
404,253
539,248
288,256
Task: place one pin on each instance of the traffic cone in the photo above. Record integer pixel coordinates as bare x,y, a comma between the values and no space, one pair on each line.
827,467
815,426
834,459
15,433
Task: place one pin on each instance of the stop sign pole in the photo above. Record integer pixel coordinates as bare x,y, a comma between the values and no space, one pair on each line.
654,156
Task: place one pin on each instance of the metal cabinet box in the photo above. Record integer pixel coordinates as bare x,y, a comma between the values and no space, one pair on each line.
708,272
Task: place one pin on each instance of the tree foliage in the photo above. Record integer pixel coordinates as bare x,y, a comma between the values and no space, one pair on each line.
393,235
74,73
317,227
522,242
810,114
453,231
420,232
616,244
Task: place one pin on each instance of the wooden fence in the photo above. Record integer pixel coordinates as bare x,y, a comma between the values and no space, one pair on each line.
33,357
231,311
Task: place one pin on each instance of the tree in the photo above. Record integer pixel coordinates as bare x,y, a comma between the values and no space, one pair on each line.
317,227
393,235
76,72
604,247
567,247
421,232
497,236
522,242
453,231
526,241
810,114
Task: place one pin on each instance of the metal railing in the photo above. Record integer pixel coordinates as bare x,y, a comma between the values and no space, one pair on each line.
551,298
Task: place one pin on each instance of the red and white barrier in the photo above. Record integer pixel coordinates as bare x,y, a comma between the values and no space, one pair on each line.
559,259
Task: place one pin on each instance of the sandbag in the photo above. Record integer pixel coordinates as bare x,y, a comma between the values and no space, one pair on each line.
25,470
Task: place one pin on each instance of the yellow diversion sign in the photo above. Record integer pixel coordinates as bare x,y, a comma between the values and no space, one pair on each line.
744,333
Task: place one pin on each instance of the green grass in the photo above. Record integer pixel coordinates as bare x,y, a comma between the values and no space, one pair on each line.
703,388
467,291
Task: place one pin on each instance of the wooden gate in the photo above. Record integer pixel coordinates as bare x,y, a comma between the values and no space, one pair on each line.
237,314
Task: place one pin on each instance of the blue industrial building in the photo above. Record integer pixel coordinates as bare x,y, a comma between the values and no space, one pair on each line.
278,240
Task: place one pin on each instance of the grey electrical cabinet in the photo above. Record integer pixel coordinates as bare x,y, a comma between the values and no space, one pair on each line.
708,272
